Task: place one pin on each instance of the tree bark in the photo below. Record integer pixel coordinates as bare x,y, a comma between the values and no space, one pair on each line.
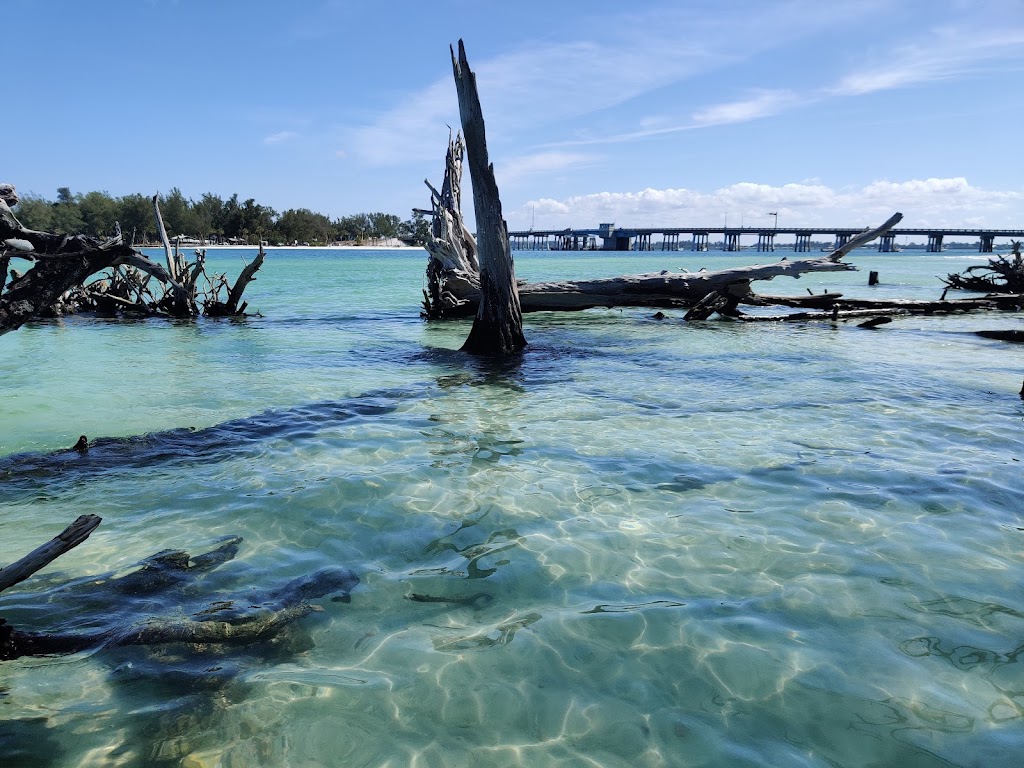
498,325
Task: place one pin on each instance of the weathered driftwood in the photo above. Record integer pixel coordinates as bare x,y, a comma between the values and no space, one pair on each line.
1004,274
847,309
40,557
498,325
56,283
61,263
454,287
180,302
215,308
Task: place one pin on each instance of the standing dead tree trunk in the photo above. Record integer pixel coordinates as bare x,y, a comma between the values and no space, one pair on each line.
498,326
451,246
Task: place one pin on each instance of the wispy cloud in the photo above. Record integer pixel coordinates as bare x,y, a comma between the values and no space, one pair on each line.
602,68
764,104
947,53
516,169
280,137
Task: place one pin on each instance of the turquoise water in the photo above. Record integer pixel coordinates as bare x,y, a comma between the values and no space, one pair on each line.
647,543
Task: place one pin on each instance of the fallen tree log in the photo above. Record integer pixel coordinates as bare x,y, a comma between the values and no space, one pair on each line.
847,309
453,283
42,556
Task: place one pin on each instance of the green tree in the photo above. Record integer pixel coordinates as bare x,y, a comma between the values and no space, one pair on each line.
35,212
138,224
416,229
354,227
208,213
304,226
176,212
257,221
230,223
384,224
67,216
99,213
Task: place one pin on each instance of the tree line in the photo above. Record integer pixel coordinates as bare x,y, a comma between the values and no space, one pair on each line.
210,219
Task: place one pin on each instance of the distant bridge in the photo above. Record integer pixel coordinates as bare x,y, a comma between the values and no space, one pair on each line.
640,239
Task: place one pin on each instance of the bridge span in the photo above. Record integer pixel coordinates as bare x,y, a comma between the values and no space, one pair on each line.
614,238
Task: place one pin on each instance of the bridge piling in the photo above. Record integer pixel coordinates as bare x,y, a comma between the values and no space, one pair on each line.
611,238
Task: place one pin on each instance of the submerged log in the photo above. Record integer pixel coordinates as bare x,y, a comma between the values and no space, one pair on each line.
498,325
40,557
114,600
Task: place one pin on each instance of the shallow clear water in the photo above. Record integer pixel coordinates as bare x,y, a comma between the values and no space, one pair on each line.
647,543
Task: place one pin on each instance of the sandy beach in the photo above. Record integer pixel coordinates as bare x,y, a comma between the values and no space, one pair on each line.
388,245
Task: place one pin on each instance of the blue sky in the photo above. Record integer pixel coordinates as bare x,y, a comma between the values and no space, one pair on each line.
643,113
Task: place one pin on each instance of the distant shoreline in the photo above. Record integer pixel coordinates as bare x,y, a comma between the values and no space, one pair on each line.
218,247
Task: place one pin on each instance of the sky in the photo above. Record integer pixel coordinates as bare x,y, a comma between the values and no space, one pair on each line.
643,113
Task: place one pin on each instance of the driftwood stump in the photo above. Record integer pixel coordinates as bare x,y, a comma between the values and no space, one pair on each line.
498,325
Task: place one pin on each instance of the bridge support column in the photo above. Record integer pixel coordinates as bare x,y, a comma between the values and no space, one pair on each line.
802,243
670,241
732,241
841,240
643,242
887,243
766,241
540,243
699,242
934,243
986,243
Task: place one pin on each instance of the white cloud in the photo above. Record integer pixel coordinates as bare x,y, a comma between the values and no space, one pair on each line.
925,202
280,137
763,104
